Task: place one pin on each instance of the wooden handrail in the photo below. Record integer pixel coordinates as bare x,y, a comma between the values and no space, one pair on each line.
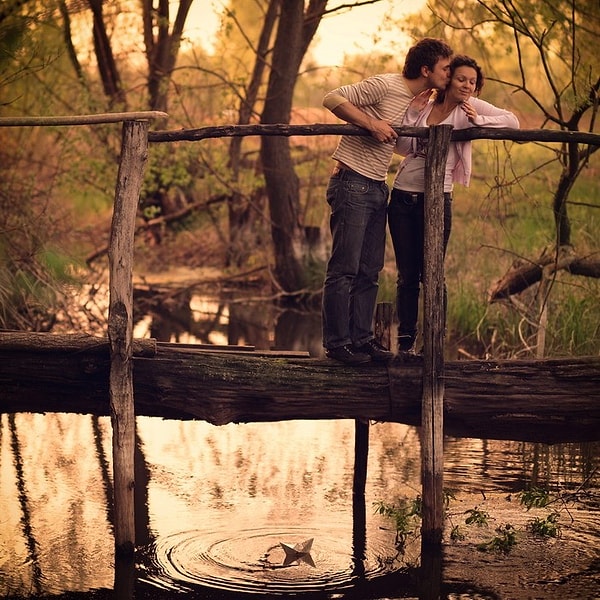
285,130
117,117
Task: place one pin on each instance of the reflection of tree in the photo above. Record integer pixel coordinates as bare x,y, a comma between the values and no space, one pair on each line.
104,469
299,330
359,514
250,324
169,310
143,532
24,504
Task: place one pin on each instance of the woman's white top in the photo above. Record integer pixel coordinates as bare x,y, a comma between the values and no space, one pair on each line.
411,173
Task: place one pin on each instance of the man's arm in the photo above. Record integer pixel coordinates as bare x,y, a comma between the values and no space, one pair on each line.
345,110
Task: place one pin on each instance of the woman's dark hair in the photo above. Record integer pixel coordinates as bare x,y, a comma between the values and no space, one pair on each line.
425,53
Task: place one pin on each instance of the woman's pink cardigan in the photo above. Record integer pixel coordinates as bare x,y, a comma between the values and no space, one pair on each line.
488,115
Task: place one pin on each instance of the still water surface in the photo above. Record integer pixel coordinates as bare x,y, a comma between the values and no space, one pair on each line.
214,504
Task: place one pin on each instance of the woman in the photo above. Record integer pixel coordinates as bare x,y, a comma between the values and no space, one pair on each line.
455,106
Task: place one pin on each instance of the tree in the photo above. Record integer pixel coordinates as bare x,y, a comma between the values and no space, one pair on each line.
294,34
104,76
32,223
558,75
242,210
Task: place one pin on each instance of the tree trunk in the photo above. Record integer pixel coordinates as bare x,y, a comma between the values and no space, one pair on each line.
523,274
289,240
162,50
107,65
243,213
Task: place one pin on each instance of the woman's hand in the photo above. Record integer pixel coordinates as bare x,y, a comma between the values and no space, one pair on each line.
469,111
420,101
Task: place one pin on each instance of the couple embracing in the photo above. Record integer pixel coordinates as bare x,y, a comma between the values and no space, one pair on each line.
435,87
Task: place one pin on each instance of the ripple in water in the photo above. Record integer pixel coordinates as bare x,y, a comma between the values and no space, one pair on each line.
253,561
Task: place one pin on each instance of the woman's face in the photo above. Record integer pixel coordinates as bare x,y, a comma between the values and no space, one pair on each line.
462,84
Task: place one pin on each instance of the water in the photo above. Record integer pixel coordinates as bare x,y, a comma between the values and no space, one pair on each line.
214,504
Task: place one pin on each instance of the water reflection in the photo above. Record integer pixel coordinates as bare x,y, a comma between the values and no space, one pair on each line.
187,318
53,504
214,502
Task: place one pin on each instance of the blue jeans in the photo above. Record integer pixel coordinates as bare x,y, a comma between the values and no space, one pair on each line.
406,222
358,221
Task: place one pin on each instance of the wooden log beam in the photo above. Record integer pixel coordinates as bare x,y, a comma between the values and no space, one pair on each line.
72,120
550,400
24,341
311,129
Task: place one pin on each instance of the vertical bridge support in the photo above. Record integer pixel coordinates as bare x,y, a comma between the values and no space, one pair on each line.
432,457
134,153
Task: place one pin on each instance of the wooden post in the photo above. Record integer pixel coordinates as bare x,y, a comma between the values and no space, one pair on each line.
432,427
134,152
384,316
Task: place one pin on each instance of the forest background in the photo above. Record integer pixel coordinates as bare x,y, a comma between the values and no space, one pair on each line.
523,265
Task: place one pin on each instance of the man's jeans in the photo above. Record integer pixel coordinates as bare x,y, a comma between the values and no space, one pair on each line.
358,221
406,223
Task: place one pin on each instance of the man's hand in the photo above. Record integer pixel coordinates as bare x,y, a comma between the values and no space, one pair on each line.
381,130
420,101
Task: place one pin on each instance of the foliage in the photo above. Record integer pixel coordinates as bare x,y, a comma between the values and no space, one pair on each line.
503,542
534,498
33,266
545,527
477,517
406,516
167,168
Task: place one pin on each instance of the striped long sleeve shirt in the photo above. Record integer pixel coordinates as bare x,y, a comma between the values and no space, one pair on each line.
384,97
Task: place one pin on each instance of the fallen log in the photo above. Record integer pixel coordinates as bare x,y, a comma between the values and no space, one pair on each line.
550,400
525,273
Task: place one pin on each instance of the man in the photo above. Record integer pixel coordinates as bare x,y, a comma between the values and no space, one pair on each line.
358,194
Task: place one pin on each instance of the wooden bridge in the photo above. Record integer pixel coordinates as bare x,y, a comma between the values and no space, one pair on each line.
237,386
550,401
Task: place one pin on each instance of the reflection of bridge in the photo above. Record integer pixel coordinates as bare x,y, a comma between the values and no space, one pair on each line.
551,400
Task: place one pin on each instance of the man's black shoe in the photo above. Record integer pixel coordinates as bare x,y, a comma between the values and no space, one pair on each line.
376,351
348,354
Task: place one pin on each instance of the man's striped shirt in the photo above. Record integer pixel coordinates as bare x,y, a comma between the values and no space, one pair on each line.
384,97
